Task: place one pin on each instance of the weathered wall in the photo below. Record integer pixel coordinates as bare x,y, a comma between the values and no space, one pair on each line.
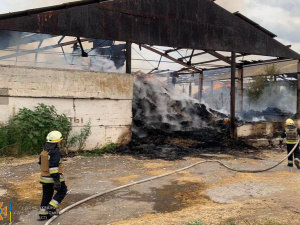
103,98
262,129
259,129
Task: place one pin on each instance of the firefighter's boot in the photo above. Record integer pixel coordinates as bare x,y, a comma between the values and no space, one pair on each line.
297,163
290,163
52,211
44,215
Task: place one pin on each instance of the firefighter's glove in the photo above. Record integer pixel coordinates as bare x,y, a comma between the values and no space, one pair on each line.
57,185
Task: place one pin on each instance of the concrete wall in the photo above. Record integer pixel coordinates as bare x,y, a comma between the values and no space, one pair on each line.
262,129
103,98
259,129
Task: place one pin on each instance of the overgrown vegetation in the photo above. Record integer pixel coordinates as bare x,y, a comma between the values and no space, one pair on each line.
78,139
109,148
261,81
25,133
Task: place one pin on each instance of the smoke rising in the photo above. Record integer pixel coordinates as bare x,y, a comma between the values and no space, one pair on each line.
170,126
157,107
276,102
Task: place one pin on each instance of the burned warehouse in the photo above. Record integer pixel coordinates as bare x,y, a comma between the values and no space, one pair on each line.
159,108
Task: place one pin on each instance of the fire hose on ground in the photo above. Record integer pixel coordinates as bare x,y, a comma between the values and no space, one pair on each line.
168,174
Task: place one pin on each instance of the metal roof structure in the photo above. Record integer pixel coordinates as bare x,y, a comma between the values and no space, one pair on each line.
193,24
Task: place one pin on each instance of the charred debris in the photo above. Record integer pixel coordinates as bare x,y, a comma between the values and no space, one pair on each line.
170,126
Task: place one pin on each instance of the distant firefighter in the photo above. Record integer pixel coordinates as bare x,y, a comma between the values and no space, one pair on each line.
291,133
51,176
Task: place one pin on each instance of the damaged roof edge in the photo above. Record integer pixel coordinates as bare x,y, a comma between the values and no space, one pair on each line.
246,19
48,8
123,18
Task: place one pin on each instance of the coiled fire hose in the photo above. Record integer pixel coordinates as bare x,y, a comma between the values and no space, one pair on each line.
168,174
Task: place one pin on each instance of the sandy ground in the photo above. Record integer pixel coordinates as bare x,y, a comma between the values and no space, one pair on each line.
208,192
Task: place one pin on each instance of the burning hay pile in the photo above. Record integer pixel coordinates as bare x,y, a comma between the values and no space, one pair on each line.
169,126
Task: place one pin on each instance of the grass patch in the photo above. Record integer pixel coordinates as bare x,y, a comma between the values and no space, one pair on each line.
109,148
196,222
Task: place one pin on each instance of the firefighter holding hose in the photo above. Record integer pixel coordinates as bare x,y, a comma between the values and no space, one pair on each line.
51,176
291,133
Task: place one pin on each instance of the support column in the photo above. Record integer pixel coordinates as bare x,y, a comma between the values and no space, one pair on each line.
200,87
240,89
190,90
211,88
168,80
298,90
128,57
17,54
232,97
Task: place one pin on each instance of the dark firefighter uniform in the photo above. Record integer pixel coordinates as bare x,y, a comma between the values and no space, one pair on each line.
51,179
291,133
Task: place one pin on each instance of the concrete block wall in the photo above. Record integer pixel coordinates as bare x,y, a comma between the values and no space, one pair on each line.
103,98
259,129
262,129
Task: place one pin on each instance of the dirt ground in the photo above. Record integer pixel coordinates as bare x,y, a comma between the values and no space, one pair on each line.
208,192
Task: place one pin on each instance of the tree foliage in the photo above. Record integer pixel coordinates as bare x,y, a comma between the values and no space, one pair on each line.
261,81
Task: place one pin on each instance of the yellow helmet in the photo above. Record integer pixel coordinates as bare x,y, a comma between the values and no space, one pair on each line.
289,122
54,137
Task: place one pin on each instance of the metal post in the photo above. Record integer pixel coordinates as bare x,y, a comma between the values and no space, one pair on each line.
190,90
17,54
232,95
128,57
211,88
240,89
298,90
168,80
200,87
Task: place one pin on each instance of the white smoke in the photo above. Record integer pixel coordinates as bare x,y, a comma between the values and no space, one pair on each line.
256,119
155,105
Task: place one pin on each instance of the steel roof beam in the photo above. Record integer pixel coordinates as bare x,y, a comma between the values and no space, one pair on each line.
171,58
197,54
42,49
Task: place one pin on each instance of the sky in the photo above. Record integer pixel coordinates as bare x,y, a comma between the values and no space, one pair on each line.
281,17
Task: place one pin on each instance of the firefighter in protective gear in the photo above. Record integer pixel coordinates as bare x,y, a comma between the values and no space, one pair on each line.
291,133
51,176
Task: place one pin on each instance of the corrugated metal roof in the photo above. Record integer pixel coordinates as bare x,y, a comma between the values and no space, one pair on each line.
194,24
255,24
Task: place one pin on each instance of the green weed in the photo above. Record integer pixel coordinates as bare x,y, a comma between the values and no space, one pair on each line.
109,148
25,133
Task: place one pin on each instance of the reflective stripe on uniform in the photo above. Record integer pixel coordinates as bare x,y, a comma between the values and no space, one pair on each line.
54,203
288,142
53,170
49,180
43,212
